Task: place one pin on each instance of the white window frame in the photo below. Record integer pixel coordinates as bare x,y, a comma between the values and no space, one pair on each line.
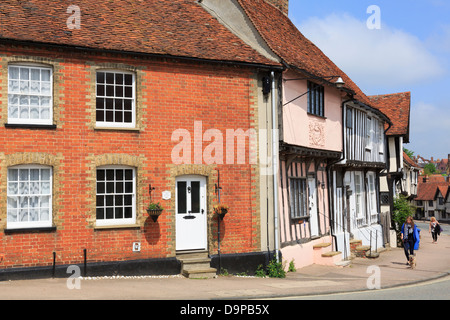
359,195
114,124
39,206
115,221
370,133
20,94
372,193
298,197
380,138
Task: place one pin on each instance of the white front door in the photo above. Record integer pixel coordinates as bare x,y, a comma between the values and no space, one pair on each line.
313,219
191,224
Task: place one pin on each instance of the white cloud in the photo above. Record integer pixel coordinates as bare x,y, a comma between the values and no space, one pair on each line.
386,57
429,129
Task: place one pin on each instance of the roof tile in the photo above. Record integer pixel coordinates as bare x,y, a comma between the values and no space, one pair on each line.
180,28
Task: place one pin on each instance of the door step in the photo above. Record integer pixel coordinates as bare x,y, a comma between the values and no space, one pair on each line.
196,264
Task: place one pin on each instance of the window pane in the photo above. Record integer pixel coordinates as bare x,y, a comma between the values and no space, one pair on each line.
109,78
100,213
128,174
118,213
45,174
13,175
181,197
35,74
100,77
13,72
128,212
128,79
100,90
45,75
109,213
119,78
195,197
24,74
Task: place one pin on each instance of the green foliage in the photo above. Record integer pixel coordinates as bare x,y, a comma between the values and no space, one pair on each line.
402,210
429,168
154,206
260,272
292,266
273,270
224,272
410,153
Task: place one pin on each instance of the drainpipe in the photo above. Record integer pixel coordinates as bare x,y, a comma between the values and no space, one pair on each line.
275,167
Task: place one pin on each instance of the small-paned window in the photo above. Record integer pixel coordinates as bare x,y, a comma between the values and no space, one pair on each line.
115,99
116,196
298,198
30,95
29,194
316,99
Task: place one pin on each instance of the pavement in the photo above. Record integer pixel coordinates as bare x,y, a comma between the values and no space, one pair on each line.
386,271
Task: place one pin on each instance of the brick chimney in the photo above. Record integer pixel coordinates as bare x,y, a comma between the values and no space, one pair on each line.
282,5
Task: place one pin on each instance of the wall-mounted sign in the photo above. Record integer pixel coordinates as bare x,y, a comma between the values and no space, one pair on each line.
166,195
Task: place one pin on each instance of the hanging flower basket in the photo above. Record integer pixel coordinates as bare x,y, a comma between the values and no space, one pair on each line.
154,210
221,210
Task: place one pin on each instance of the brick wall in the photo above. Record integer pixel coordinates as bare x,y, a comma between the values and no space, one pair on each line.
169,95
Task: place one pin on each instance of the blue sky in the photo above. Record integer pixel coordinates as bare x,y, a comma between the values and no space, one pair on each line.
410,52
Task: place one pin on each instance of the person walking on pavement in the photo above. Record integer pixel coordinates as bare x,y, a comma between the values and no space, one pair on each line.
409,236
435,229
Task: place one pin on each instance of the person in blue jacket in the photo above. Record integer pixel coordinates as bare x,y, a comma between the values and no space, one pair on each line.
410,236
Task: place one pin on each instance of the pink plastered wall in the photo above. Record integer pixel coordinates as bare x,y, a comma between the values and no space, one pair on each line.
306,130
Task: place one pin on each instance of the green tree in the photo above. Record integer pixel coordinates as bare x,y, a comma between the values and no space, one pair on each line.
429,168
402,210
410,153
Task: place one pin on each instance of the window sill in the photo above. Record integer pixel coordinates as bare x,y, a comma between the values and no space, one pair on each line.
30,126
317,116
118,226
30,230
117,129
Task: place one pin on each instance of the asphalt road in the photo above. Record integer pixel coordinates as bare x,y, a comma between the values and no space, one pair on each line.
438,289
424,226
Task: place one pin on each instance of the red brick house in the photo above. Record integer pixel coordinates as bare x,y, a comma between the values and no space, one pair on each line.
91,114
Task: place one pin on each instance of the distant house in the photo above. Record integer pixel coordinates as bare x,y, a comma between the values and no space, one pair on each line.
432,197
410,177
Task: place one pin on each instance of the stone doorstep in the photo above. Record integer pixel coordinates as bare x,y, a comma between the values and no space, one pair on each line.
331,258
200,274
331,254
321,245
196,264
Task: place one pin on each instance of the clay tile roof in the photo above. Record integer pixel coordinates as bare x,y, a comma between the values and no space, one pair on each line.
179,28
428,190
397,107
409,161
283,37
442,189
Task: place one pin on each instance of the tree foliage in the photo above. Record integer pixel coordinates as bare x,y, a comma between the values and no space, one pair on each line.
410,153
429,168
402,210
